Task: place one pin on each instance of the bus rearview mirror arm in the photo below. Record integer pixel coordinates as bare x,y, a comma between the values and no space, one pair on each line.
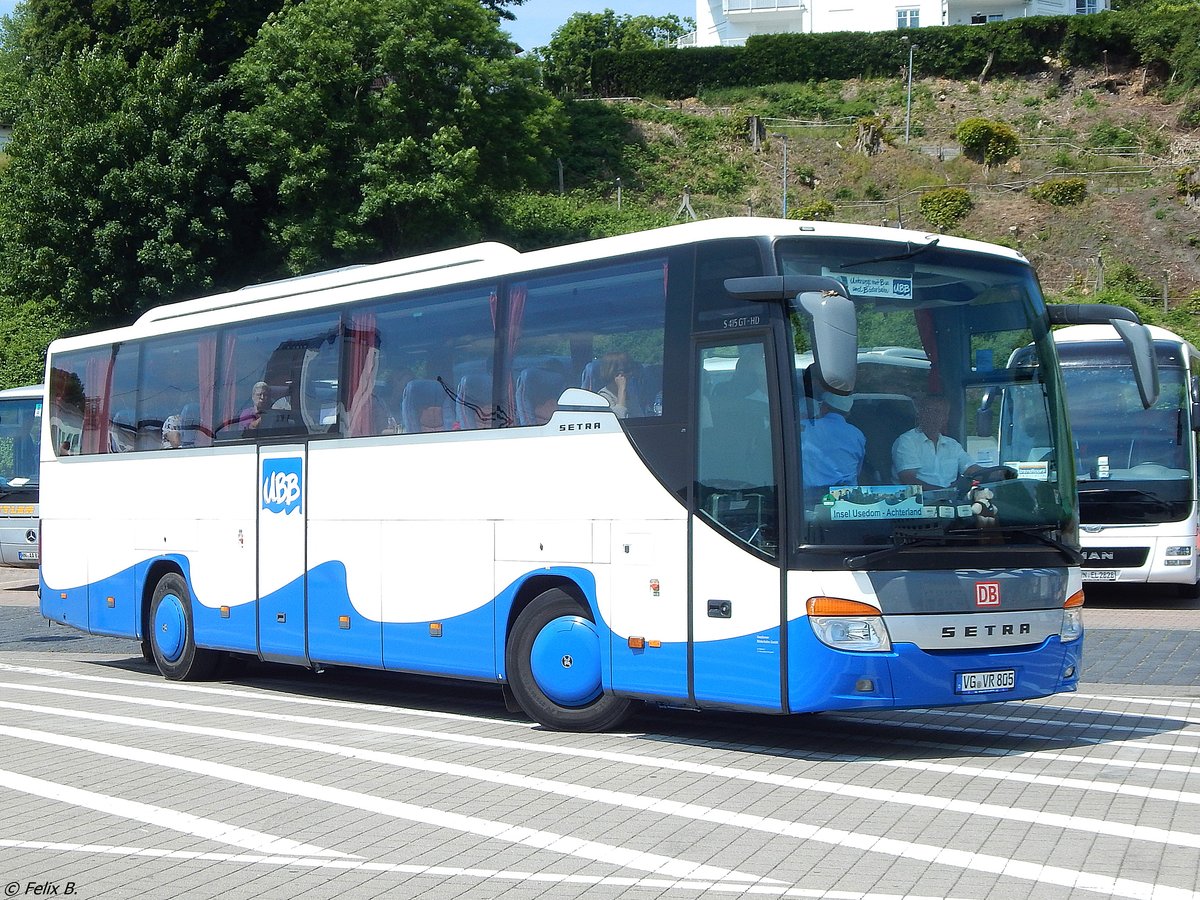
826,303
1135,335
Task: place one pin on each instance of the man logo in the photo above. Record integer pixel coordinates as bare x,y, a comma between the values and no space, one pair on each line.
987,593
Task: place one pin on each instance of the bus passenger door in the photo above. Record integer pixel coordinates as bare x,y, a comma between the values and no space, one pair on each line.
736,608
282,580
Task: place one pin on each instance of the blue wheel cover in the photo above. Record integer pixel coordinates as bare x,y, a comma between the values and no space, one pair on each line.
170,627
565,660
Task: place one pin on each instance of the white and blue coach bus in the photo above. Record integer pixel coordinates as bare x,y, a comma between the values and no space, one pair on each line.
576,473
20,434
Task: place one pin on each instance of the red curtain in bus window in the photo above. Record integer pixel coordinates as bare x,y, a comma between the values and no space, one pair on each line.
363,352
928,331
227,423
208,381
517,295
97,387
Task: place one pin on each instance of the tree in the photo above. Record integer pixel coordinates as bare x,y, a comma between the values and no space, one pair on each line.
371,128
115,198
134,28
568,57
499,7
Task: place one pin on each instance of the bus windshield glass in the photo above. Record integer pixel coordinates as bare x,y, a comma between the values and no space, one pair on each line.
1133,464
943,441
20,434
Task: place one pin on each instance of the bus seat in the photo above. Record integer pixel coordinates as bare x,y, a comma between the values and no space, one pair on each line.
189,420
534,383
473,403
881,418
591,377
419,395
650,385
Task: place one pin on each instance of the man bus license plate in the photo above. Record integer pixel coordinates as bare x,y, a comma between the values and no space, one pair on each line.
985,682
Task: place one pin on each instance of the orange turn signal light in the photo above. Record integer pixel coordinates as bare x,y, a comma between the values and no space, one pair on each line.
1075,599
836,606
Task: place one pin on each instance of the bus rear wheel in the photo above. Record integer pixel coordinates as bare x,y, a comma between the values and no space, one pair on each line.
553,660
172,637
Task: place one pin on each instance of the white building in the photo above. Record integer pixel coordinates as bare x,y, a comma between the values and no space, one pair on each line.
730,22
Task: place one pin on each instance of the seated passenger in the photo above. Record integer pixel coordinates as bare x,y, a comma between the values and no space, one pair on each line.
251,417
925,455
172,433
613,378
539,390
831,449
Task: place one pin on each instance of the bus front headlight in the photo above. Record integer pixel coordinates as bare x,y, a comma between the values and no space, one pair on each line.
1072,624
848,624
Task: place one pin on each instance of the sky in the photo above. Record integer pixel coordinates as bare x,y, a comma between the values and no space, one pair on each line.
538,19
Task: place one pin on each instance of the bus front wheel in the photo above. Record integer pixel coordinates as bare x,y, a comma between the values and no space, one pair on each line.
553,661
172,638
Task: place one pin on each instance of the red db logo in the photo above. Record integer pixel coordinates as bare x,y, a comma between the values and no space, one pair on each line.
987,593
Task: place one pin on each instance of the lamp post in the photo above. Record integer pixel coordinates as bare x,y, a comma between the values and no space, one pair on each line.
908,99
783,137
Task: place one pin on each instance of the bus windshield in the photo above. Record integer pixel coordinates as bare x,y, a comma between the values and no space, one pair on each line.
1133,464
942,442
20,436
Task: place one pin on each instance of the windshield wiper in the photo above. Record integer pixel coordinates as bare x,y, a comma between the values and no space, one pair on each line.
909,254
904,541
1039,532
908,540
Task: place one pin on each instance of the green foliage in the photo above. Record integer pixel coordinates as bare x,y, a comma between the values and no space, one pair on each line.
1189,116
1187,184
137,28
988,142
567,59
945,208
818,210
117,195
369,128
534,221
1060,191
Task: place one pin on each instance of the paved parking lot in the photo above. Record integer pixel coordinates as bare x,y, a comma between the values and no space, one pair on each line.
282,783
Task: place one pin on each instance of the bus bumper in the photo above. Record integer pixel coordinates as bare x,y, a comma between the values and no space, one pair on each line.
908,676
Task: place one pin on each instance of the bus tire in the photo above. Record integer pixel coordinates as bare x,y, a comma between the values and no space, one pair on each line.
553,660
172,637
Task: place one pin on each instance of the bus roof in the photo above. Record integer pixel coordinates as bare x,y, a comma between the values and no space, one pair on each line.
1094,333
26,392
489,260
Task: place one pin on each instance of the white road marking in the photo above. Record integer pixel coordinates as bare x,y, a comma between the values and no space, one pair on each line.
171,819
501,831
803,832
724,887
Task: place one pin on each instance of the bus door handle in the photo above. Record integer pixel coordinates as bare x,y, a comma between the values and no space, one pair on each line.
720,609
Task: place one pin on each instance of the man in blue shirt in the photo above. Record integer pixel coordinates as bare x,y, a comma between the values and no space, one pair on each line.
831,449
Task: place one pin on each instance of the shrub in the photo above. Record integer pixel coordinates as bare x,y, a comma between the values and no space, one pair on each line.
819,210
1060,191
988,142
1189,116
946,207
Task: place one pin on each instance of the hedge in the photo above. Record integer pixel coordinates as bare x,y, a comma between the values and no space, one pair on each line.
1016,46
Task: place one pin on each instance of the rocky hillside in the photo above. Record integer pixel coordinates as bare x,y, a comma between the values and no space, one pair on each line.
1134,227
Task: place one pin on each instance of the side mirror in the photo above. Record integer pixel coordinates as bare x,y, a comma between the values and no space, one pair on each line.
835,338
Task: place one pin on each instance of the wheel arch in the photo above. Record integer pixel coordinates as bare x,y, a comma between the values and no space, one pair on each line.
154,574
579,584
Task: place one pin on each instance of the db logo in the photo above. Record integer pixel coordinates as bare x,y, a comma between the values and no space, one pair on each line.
282,485
987,593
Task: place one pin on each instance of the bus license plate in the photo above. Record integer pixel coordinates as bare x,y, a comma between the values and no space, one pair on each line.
27,555
985,682
1100,574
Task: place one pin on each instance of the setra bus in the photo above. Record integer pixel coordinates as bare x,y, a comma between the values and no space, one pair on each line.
1136,467
578,473
20,456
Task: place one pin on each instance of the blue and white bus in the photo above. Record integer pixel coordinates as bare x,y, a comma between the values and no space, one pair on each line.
576,473
20,454
1136,466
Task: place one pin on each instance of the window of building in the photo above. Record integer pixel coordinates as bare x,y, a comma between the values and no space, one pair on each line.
908,18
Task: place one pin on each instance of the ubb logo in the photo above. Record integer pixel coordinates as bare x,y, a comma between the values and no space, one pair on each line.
283,485
901,287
